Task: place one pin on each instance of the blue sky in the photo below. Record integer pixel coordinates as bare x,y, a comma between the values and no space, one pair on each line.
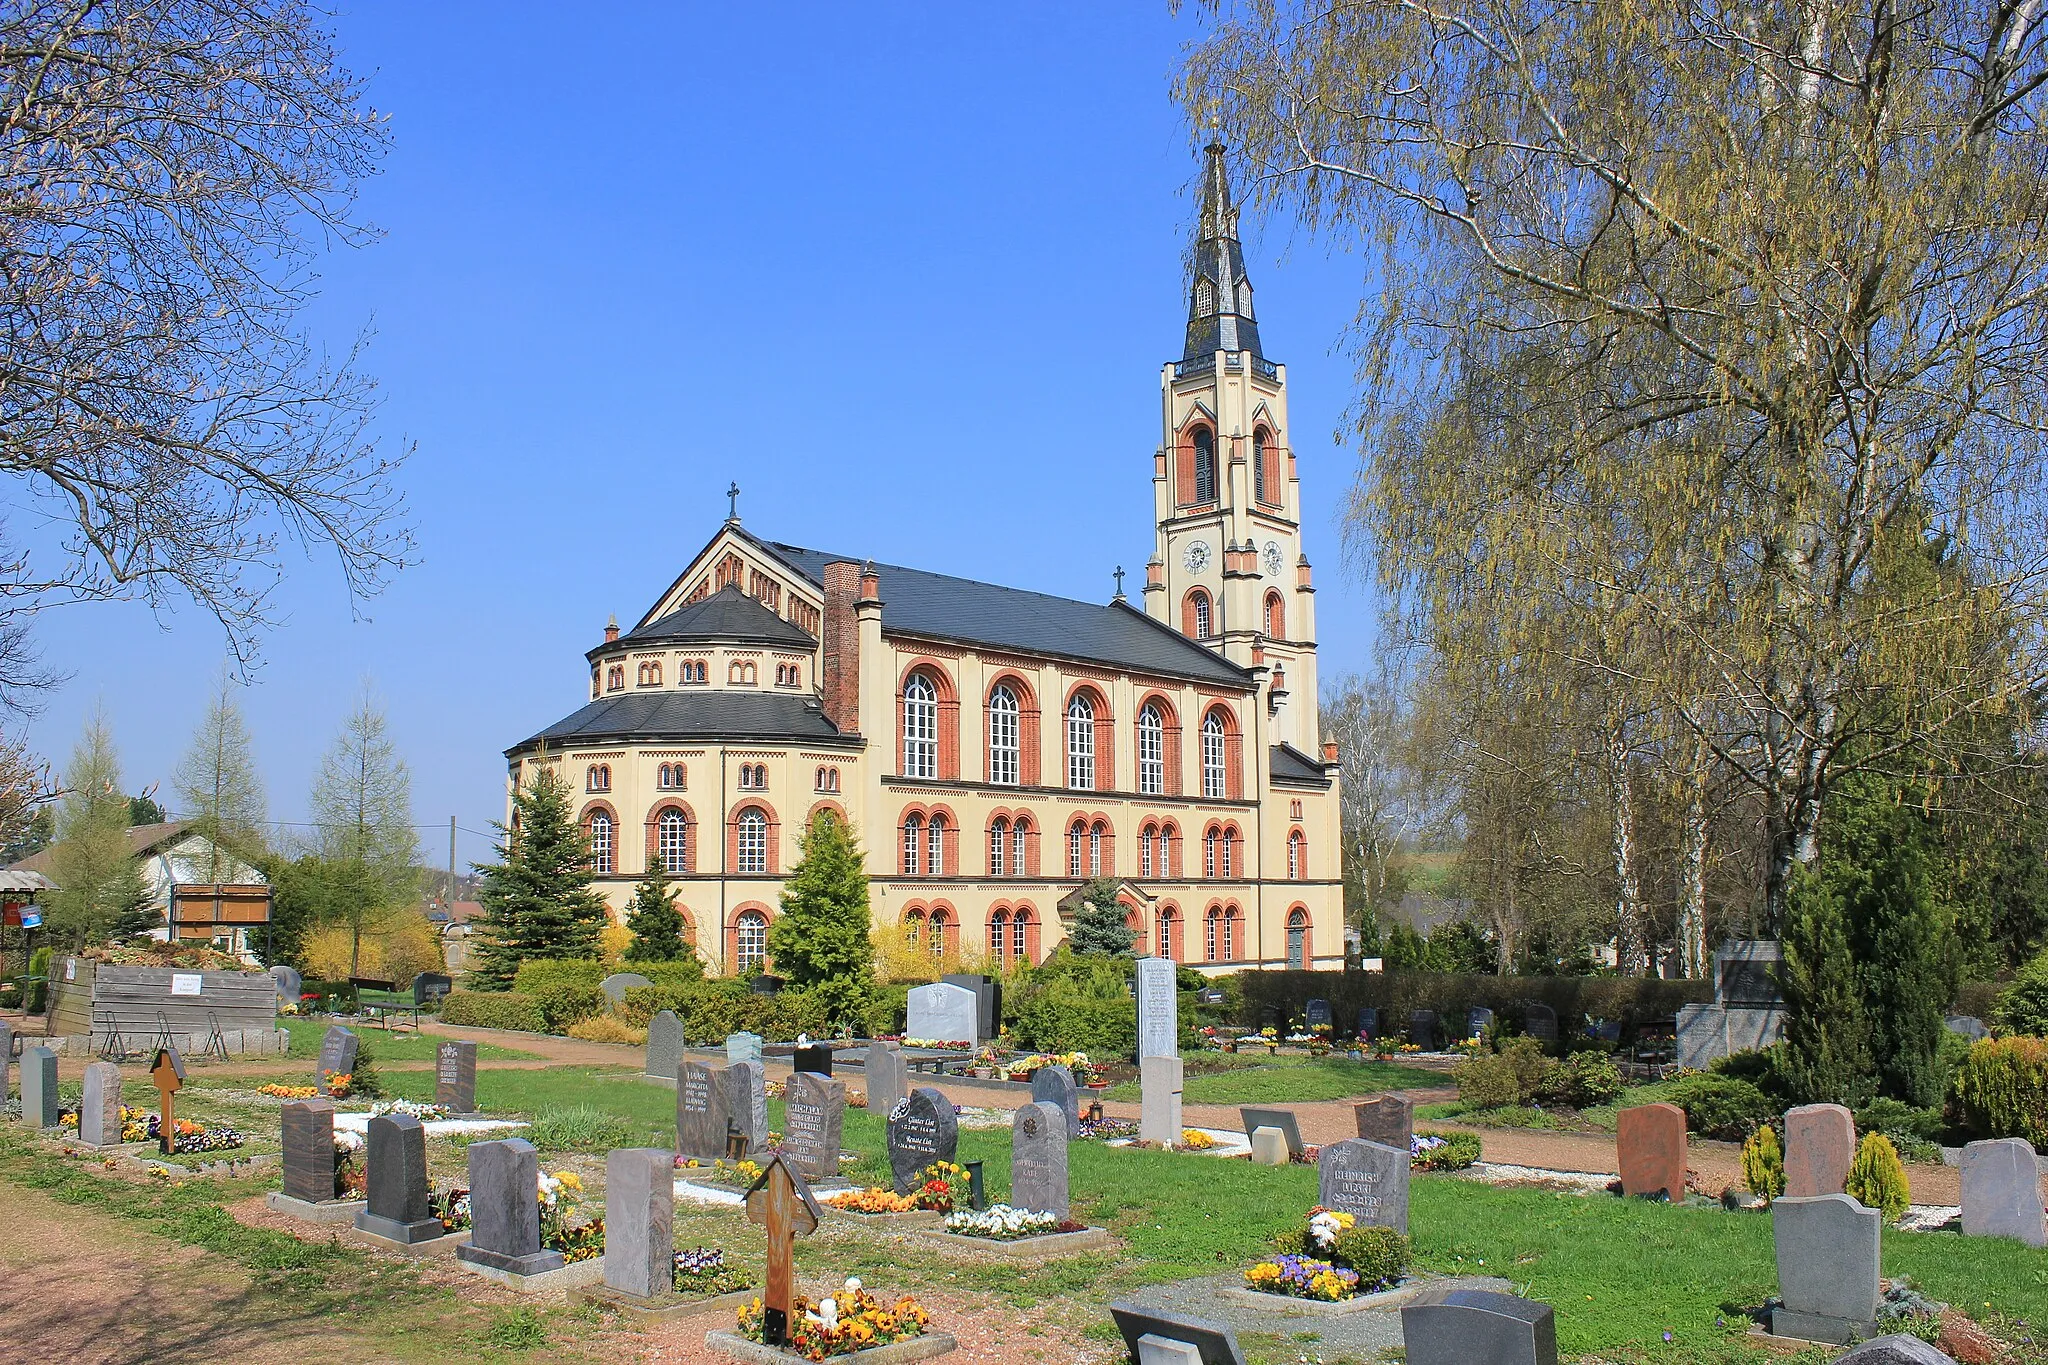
906,273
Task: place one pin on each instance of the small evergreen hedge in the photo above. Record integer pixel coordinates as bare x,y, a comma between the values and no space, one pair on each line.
1716,1106
494,1009
2001,1090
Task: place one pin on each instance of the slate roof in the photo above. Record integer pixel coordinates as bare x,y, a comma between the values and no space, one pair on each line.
707,715
727,614
939,606
142,839
1290,764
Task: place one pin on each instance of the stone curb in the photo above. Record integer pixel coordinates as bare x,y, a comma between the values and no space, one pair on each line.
1043,1247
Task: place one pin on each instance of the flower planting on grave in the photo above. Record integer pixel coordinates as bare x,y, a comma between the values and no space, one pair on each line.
1332,1258
936,1045
704,1271
288,1092
1436,1151
425,1113
1106,1128
576,1241
851,1320
940,1187
743,1172
143,1125
1001,1223
1195,1140
451,1206
872,1200
1302,1277
340,1084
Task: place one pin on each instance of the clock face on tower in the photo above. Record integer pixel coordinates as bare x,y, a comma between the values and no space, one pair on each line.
1196,556
1272,558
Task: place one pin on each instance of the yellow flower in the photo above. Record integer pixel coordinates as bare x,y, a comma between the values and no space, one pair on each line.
570,1179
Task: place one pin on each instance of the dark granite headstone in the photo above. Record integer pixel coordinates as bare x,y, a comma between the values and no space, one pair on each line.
337,1054
1038,1159
1478,1020
815,1058
746,1102
764,984
922,1130
702,1114
429,987
988,993
1540,1021
39,1088
504,1210
1388,1119
1255,1118
1896,1350
1422,1029
398,1207
1214,1342
309,1158
455,1076
814,1110
1055,1086
1368,1023
664,1045
1317,1014
290,985
1368,1180
1477,1327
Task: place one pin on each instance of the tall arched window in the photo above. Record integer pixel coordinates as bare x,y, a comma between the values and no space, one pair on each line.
1229,844
1081,742
1019,833
1020,937
672,841
753,842
1095,833
1230,934
1202,622
1205,465
913,928
1276,617
913,844
999,848
1213,785
1165,929
602,844
935,846
1297,941
1297,856
1145,851
1003,747
998,936
1169,857
1077,837
1259,465
1210,925
920,727
1151,750
940,929
1209,852
750,940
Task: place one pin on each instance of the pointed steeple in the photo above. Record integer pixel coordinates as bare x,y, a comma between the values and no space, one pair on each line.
1219,295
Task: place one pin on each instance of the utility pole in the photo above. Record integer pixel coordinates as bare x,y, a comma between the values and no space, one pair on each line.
450,906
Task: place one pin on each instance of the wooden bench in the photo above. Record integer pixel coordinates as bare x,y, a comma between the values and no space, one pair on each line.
381,1000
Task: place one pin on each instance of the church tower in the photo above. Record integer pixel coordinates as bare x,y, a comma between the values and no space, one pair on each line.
1227,567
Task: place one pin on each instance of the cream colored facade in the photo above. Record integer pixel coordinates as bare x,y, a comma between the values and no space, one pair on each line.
1181,756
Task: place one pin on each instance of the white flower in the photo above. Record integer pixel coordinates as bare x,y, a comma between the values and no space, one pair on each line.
853,1284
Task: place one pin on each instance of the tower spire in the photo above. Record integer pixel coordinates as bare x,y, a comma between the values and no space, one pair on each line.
1220,314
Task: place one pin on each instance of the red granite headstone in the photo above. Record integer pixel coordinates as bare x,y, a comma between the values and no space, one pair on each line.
1820,1144
1650,1143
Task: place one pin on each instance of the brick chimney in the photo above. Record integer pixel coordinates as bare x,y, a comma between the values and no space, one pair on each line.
1329,751
840,645
611,630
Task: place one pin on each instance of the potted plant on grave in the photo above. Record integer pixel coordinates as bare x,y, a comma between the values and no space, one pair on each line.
851,1320
1002,1223
1331,1259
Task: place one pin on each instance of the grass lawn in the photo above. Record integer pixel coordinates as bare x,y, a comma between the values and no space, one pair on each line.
1226,1078
389,1046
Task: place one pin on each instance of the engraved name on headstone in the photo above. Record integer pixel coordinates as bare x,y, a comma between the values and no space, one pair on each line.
1366,1179
814,1112
1158,1009
922,1130
1038,1159
455,1076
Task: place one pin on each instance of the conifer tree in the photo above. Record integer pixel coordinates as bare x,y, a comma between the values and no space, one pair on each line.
654,921
218,786
1102,924
537,898
822,941
1827,1038
99,884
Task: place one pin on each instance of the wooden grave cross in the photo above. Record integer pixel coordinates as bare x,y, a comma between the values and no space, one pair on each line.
781,1201
168,1071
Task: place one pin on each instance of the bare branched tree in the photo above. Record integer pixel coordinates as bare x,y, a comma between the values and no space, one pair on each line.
168,170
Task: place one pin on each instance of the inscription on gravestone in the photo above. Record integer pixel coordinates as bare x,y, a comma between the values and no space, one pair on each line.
1054,1085
1316,1014
1540,1021
1368,1023
814,1111
1368,1180
337,1054
455,1076
746,1102
701,1112
922,1130
1038,1159
309,1158
1422,1029
1158,1009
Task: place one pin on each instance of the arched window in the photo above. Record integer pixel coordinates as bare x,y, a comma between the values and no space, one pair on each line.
597,778
1081,742
999,848
937,942
1003,746
1169,851
1259,465
998,936
674,777
913,844
1209,839
920,727
753,845
1095,837
1151,750
1205,465
1145,851
1020,940
1230,934
1165,928
1297,940
1076,838
615,677
913,928
1212,756
1297,857
1211,924
672,841
828,779
1276,617
603,844
1229,848
935,846
750,941
753,777
1020,832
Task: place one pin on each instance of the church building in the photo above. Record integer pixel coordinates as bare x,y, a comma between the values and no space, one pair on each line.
996,748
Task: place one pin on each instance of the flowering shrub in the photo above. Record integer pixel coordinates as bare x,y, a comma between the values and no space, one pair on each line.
1106,1128
1001,1223
1302,1278
1325,1224
338,1083
425,1113
1075,1062
577,1242
1195,1140
703,1270
288,1092
943,1182
1442,1151
851,1320
872,1201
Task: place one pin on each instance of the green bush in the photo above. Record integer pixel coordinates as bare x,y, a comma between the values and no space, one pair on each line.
1894,1116
1716,1106
710,1010
1453,1152
1056,1021
1581,1081
39,994
2023,1006
565,988
1379,1255
494,1009
1877,1179
2001,1090
1763,1163
1486,1082
363,1081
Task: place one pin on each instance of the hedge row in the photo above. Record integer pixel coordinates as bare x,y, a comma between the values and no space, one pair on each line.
494,1009
709,1011
1634,1001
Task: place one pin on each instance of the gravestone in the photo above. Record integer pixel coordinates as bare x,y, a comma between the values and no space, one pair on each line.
337,1054
1748,1009
309,1158
1269,1147
882,1068
39,1088
943,1013
1054,1085
922,1130
1896,1350
99,1112
1422,1029
429,987
702,1114
1159,1091
664,1045
746,1102
814,1112
617,984
1316,1014
398,1207
1969,1026
815,1058
1539,1021
1214,1343
504,1212
1650,1146
1038,1159
2002,1191
455,1076
290,985
1158,1009
988,1001
764,984
1388,1119
1827,1268
6,1059
1479,1327
639,1223
1283,1119
1820,1143
1366,1179
742,1047
1478,1020
1368,1024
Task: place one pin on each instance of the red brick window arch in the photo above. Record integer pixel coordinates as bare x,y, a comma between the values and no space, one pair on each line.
1023,937
1298,938
913,926
1167,931
601,829
938,845
1024,847
1212,934
998,935
671,841
1169,851
750,850
672,777
1196,476
749,941
1222,755
928,724
913,844
942,933
597,777
1233,934
1276,617
1012,746
1197,615
1265,468
1297,856
1077,848
1147,832
1090,741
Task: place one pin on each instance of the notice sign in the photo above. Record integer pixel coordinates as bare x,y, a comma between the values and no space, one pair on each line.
185,983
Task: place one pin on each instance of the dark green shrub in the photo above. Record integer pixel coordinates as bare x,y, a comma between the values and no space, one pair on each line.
1717,1106
363,1082
1581,1081
1059,1021
1486,1082
2023,1007
1892,1116
565,988
39,993
1443,1151
1379,1255
2001,1090
494,1009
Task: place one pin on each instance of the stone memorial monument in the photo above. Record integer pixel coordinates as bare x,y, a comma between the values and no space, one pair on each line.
1820,1143
290,985
814,1113
2002,1191
1316,1014
1366,1179
1748,1010
337,1054
1896,1350
504,1214
309,1156
883,1070
1156,1338
815,1058
1269,1147
1368,1024
1422,1029
746,1102
1479,1327
1827,1268
455,1076
1038,1159
921,1130
1650,1146
1539,1021
988,1001
39,1088
1159,1083
1388,1119
398,1210
702,1115
742,1047
1158,1009
639,1223
1054,1085
1254,1117
99,1112
943,1013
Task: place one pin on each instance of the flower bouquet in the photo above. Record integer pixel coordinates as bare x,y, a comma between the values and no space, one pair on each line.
941,1185
1195,1140
576,1242
851,1320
